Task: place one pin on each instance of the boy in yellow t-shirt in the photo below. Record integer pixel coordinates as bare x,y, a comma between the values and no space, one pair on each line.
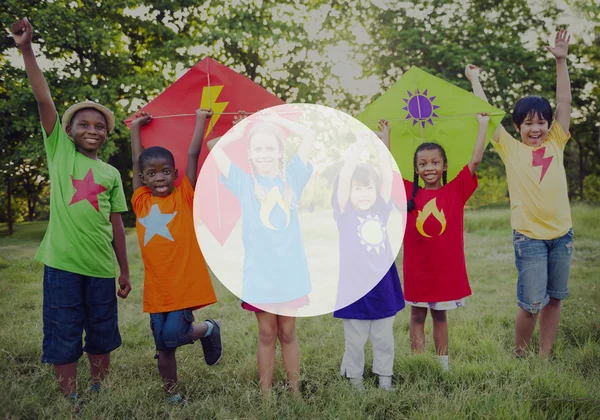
540,210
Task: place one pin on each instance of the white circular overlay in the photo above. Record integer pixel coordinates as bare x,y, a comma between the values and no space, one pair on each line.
299,210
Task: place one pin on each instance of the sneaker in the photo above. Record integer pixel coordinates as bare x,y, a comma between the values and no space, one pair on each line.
385,383
75,402
357,383
212,345
176,399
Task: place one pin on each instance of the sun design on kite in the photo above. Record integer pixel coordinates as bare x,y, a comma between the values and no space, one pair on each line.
371,233
420,107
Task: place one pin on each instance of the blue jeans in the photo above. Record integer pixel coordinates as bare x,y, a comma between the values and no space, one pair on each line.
74,303
544,267
172,329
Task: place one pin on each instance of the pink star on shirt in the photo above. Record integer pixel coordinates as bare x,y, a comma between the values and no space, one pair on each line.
87,189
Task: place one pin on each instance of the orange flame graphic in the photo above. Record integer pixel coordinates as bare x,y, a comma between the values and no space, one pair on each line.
430,209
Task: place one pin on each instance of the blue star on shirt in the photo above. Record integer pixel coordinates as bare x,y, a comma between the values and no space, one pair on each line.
156,224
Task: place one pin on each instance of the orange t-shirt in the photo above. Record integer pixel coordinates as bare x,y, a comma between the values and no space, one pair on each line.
175,274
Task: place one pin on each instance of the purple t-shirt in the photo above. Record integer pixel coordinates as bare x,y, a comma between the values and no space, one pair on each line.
365,252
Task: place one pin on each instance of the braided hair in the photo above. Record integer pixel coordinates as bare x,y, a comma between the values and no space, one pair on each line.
274,131
410,204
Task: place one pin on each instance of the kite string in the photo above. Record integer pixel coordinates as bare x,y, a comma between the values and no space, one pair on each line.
217,172
364,122
208,77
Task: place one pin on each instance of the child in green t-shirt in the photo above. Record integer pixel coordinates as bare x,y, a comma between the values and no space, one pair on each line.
86,199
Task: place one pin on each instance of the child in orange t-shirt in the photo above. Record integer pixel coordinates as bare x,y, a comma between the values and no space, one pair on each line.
176,280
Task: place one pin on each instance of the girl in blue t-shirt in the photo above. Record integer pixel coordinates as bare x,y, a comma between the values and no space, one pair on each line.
362,205
276,274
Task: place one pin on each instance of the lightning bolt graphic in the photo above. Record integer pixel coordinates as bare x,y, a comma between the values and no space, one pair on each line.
540,160
217,107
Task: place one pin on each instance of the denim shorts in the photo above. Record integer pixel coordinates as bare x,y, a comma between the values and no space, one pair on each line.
74,303
543,267
172,329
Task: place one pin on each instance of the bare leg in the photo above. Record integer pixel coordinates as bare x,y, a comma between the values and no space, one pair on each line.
549,320
199,330
290,350
440,332
524,327
67,378
417,329
267,338
99,364
167,367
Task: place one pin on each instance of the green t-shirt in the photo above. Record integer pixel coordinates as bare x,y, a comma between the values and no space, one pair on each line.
83,194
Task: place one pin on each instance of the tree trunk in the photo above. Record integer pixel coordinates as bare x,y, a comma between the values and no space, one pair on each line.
9,215
581,170
31,204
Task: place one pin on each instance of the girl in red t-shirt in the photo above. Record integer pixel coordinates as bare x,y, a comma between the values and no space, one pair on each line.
435,274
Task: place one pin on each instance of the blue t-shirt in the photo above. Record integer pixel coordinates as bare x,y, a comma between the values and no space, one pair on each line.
365,253
275,267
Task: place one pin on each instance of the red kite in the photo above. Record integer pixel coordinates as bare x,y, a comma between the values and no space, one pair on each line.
209,84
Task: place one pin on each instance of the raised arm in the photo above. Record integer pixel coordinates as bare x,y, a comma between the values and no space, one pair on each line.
383,156
479,148
345,177
141,120
472,73
563,84
196,144
22,32
218,153
307,134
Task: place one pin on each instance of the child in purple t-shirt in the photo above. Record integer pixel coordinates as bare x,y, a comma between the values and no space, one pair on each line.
361,194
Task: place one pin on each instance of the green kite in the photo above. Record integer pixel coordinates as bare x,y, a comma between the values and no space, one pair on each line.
424,108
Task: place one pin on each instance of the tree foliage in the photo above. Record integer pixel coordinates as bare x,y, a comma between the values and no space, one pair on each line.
124,52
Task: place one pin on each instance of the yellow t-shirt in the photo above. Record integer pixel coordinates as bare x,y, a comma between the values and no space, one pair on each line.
537,184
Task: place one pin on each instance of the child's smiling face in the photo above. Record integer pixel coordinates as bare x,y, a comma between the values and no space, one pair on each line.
533,130
265,153
430,166
159,175
89,131
362,196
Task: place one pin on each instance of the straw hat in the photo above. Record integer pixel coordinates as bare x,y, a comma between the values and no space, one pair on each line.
110,118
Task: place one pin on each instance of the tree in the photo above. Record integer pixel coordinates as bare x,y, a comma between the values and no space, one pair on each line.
583,159
506,39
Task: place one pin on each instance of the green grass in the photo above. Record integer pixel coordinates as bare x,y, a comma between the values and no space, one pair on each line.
487,382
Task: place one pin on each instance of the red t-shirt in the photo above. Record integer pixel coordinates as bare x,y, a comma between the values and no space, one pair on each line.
434,252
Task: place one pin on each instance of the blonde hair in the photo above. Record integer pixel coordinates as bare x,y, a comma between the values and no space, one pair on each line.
275,132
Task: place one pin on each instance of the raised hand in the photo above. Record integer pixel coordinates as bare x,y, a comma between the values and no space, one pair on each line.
483,118
384,129
142,118
22,32
363,139
561,44
472,72
206,113
239,117
268,115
